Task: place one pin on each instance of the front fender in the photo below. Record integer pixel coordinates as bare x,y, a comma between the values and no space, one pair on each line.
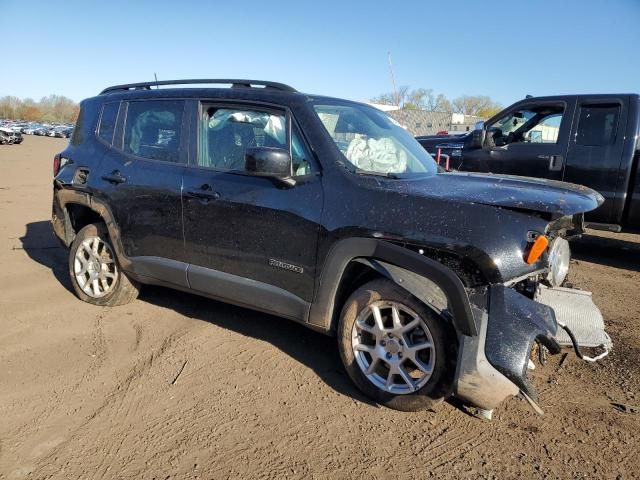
405,267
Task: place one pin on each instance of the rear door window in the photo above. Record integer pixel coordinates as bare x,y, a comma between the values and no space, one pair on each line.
598,125
108,121
153,129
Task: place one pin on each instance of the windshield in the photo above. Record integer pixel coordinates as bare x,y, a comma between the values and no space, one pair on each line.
372,141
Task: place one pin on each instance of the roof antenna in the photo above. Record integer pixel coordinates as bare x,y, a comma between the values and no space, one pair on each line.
393,80
156,77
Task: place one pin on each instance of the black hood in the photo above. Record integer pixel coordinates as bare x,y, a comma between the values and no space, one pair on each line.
508,191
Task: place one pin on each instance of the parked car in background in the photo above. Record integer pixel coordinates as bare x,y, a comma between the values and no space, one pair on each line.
7,136
18,137
326,212
590,140
445,144
30,129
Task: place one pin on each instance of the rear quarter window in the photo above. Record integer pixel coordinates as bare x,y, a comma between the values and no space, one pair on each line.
108,120
77,137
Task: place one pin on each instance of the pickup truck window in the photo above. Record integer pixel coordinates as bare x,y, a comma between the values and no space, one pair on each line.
597,125
532,125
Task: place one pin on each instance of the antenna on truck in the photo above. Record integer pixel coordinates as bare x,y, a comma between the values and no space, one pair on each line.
156,77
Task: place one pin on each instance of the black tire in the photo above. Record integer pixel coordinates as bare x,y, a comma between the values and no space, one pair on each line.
123,290
438,386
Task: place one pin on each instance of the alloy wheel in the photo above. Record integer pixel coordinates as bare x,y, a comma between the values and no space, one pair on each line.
95,268
393,347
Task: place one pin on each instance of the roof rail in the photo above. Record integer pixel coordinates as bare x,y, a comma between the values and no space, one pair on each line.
235,83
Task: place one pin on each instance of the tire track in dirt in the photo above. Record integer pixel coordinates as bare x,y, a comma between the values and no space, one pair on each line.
450,444
99,348
118,405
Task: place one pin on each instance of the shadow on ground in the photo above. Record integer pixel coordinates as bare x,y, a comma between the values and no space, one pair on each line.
315,350
42,246
613,252
312,349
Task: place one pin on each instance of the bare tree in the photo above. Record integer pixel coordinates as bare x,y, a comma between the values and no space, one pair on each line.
398,98
477,105
418,99
53,108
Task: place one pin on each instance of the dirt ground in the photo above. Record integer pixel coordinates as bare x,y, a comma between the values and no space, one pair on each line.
89,392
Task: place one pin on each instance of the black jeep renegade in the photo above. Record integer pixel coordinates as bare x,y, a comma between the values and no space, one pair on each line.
326,212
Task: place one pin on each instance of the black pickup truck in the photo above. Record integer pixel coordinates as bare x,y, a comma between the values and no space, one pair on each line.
591,140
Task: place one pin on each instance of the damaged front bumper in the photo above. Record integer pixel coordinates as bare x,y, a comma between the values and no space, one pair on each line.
492,366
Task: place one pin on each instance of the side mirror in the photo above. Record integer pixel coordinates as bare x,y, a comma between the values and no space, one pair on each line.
269,162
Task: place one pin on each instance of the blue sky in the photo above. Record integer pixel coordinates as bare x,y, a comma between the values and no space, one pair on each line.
505,49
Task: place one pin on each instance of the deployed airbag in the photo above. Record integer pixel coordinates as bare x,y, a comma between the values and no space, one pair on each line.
376,155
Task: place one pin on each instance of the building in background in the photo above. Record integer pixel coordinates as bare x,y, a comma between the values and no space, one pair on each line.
423,122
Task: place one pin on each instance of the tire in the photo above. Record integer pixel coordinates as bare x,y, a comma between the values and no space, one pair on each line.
394,347
98,279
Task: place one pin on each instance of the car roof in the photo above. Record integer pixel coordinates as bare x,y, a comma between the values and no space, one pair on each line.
273,92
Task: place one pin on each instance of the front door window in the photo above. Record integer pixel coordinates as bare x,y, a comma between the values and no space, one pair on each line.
528,125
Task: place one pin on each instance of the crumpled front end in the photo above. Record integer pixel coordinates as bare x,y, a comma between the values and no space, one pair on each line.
493,366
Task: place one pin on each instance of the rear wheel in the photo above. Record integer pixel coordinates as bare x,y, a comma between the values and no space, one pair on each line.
395,349
95,273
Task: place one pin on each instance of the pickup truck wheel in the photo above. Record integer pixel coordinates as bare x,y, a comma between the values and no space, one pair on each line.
395,349
95,273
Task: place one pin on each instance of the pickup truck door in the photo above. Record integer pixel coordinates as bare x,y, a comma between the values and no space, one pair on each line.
595,153
528,139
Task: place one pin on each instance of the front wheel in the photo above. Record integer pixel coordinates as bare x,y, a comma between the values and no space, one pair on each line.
95,273
395,349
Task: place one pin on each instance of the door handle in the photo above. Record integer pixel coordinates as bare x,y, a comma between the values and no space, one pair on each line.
555,163
205,192
115,177
203,195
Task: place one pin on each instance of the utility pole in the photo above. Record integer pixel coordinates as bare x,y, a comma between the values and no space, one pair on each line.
393,81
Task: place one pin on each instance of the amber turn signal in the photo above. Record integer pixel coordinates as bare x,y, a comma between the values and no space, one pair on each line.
539,246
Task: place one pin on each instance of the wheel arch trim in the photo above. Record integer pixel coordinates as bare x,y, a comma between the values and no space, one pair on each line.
421,276
66,197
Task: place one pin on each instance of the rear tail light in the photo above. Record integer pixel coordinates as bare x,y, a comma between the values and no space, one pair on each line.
57,163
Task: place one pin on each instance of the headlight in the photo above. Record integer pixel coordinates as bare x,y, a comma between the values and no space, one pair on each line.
559,258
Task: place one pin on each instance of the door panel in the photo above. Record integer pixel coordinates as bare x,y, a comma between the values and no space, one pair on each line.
595,152
144,193
248,226
253,225
529,140
146,205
